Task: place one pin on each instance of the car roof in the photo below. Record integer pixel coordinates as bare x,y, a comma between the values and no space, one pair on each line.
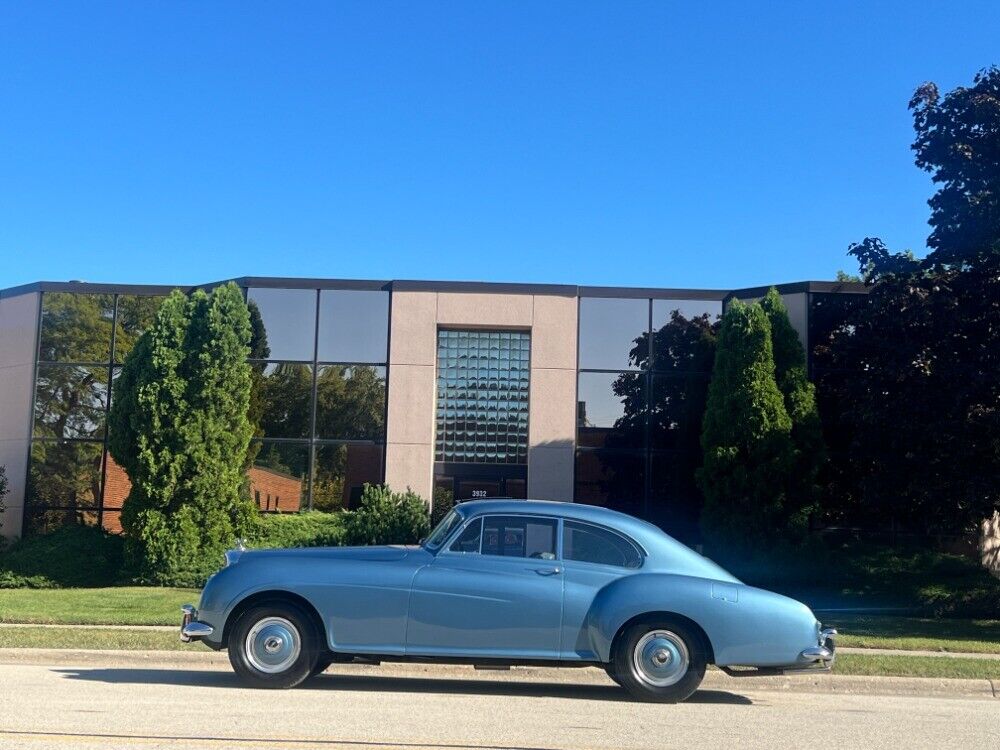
574,511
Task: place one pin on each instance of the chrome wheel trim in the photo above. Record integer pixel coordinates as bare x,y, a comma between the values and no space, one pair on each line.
660,659
272,645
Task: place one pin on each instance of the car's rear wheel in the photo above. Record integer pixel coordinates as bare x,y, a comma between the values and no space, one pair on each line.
662,661
274,646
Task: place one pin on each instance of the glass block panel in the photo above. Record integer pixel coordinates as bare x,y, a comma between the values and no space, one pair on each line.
285,400
64,474
288,320
613,333
353,326
340,473
76,327
135,314
611,409
482,396
70,401
350,402
279,476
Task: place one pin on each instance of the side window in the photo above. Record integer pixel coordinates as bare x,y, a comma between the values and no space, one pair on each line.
520,536
592,544
468,540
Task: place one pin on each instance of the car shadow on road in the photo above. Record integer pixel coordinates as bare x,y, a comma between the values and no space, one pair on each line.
388,684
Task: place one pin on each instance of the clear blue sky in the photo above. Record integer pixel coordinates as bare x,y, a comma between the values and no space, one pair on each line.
627,143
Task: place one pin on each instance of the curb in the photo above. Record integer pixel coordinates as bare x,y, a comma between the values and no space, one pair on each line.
714,679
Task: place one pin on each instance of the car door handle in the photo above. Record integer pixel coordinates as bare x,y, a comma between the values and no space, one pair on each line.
548,571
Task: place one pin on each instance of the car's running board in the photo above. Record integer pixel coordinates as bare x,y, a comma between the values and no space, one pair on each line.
497,667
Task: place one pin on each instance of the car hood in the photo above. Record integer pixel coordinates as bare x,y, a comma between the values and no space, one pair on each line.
386,553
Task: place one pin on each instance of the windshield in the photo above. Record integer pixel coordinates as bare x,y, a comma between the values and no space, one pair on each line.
443,529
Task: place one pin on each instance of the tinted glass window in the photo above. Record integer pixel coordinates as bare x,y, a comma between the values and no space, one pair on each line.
135,315
286,400
353,326
340,473
585,543
279,476
684,342
612,333
675,503
519,536
70,401
611,410
350,402
676,407
611,479
65,474
663,309
468,540
289,322
76,327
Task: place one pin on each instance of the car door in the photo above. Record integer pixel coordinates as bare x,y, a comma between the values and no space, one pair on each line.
592,558
495,591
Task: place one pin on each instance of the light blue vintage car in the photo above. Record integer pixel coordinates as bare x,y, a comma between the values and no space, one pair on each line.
504,582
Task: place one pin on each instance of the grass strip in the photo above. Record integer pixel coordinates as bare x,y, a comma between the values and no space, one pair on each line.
125,605
879,665
105,640
917,633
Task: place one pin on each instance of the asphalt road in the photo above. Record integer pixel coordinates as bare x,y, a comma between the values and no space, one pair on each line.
133,705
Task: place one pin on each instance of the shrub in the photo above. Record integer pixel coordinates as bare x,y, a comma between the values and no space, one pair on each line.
444,501
179,427
387,517
307,529
69,556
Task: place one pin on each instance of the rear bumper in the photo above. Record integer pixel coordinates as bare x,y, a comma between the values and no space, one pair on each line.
818,658
192,629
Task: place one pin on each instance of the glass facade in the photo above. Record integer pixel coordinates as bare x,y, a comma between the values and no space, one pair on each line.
482,397
319,361
641,390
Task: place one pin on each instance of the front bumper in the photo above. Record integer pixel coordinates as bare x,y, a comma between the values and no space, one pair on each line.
191,628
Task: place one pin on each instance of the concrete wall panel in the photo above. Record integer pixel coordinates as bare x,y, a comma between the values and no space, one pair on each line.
553,333
18,326
411,404
412,338
552,406
485,310
409,465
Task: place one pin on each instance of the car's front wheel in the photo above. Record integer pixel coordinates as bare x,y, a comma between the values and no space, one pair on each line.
273,646
660,661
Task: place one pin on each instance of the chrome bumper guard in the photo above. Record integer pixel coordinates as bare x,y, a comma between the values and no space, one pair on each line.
191,628
818,658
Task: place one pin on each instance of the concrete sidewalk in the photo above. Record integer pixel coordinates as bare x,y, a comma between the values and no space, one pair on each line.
714,679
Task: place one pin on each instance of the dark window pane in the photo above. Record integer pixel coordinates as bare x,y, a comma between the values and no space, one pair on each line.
611,411
613,480
585,543
830,313
76,327
664,309
65,474
612,333
468,540
516,488
685,343
675,502
482,397
350,402
279,476
340,473
44,521
519,536
286,400
135,315
676,410
289,318
70,402
353,326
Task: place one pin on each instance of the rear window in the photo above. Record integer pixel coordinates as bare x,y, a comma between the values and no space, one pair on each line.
592,544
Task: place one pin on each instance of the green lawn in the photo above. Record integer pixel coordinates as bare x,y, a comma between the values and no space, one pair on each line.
917,633
91,638
104,606
917,666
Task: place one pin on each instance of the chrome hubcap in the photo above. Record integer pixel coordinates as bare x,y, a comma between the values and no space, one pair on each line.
273,645
660,658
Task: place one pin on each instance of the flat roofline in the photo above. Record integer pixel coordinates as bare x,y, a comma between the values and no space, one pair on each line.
469,287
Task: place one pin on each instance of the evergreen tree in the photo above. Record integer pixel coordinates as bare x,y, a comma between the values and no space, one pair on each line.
790,373
179,428
746,436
